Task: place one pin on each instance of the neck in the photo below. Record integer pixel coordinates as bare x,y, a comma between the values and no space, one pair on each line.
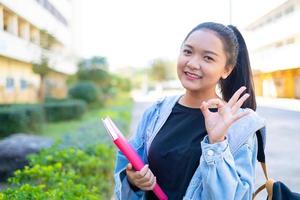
194,100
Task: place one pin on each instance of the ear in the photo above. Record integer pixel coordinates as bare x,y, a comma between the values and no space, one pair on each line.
227,71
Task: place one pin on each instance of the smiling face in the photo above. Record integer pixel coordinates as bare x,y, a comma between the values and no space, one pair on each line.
202,61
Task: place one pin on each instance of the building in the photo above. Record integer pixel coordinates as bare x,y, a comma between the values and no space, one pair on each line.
275,51
28,30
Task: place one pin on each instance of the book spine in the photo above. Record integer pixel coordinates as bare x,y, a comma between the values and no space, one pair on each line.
130,153
137,163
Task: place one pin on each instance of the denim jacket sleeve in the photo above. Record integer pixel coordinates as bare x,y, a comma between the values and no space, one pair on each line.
123,191
222,175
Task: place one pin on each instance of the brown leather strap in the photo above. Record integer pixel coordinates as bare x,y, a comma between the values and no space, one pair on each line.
264,168
258,190
268,185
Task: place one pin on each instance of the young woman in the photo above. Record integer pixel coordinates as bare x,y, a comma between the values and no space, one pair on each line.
199,145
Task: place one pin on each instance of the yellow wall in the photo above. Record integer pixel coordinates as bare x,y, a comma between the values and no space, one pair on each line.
257,84
17,70
281,83
20,70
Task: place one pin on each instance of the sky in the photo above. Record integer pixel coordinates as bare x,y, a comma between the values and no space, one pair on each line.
134,32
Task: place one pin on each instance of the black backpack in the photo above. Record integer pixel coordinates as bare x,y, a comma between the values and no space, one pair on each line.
276,190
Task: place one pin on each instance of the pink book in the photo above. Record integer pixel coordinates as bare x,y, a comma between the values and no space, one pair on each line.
129,152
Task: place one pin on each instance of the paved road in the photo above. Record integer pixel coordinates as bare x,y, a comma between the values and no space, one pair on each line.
283,143
283,146
138,110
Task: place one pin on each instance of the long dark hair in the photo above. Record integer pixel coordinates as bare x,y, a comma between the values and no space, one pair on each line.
237,56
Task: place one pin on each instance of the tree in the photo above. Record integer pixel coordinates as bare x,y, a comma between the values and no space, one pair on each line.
161,70
42,68
96,62
95,69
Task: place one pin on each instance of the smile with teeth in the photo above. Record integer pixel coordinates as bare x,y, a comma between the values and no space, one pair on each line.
192,76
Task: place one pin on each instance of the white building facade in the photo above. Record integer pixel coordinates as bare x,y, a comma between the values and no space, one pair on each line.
26,27
275,51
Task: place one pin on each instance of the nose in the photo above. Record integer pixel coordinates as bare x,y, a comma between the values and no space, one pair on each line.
194,63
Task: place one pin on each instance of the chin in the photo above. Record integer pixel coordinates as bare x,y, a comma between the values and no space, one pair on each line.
191,87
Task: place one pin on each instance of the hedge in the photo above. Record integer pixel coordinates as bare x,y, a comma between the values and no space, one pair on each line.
16,118
64,110
21,118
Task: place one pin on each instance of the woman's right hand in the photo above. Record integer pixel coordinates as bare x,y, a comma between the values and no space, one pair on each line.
143,179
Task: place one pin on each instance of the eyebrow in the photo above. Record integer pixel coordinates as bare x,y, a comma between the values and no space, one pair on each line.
205,51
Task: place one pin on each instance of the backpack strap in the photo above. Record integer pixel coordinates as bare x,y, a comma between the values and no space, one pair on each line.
261,144
260,134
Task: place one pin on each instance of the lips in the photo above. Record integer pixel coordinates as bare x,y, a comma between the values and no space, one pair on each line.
192,75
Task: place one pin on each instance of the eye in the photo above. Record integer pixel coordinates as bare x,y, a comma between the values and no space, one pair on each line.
187,52
208,59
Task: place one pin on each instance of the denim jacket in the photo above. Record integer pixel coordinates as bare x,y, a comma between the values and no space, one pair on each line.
226,169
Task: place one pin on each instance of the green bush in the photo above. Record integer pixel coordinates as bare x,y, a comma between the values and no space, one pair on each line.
84,90
53,99
20,118
64,110
64,174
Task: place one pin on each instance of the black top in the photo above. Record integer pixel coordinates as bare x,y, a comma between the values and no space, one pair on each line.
175,151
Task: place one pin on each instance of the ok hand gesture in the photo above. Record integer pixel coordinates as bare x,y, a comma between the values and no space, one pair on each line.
217,123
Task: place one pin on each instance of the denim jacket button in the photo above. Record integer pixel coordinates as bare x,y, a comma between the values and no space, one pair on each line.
210,152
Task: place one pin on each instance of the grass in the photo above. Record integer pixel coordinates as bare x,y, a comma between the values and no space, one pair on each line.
119,109
56,129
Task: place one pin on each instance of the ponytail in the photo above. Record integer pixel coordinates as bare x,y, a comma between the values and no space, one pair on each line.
241,74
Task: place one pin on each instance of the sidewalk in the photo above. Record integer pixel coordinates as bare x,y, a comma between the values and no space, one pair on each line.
279,103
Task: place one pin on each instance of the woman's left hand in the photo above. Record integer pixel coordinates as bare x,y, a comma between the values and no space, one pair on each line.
217,123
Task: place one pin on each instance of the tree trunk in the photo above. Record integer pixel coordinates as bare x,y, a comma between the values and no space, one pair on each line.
42,89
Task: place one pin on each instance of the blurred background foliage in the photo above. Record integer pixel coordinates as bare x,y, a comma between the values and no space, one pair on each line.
80,164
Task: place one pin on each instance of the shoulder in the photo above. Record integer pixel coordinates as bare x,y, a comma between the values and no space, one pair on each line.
244,129
251,122
161,105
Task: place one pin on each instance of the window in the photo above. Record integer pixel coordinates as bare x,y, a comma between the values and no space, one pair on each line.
23,84
34,35
23,29
6,19
10,83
